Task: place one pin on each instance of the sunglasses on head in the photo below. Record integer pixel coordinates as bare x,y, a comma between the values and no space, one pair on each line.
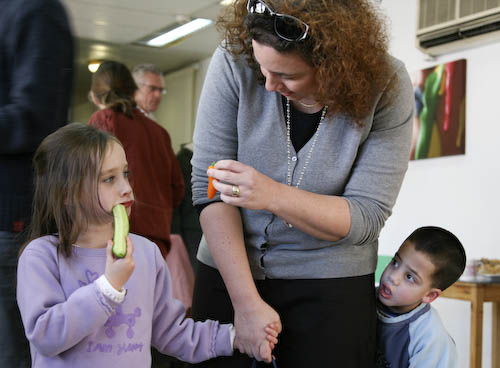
286,26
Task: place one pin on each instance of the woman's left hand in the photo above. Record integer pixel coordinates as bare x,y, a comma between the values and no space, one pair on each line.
243,186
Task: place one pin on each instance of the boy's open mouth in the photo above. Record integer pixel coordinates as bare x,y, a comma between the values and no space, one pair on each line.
385,292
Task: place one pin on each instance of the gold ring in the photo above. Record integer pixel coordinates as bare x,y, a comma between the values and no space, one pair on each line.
236,191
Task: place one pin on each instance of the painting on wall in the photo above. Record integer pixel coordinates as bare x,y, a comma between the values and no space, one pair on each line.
439,121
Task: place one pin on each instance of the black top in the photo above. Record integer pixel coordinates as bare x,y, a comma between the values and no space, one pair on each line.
302,125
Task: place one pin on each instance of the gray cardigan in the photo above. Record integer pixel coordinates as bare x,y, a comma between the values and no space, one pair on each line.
238,119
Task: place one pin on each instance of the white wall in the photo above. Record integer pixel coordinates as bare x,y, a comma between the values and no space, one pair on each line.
460,193
177,112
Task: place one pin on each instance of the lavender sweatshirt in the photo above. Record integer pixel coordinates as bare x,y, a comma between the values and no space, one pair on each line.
70,323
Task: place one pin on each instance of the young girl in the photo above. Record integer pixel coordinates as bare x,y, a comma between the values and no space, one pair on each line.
80,306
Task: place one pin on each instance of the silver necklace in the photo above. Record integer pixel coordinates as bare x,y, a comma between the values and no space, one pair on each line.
289,144
308,105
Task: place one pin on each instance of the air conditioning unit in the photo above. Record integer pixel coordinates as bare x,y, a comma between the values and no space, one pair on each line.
451,25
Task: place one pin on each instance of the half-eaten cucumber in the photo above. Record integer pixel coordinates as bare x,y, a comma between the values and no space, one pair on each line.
121,231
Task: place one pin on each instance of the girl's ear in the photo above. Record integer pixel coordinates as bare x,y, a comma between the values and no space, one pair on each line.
94,99
431,295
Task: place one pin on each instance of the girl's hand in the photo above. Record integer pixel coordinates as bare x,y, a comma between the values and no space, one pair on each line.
272,334
272,337
256,190
118,270
252,336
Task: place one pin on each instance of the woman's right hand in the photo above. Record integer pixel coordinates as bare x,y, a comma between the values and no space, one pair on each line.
118,270
256,190
250,321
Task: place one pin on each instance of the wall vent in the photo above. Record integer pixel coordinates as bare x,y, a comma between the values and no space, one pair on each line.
451,25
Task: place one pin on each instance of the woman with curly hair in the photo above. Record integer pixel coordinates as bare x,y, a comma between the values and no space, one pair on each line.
309,119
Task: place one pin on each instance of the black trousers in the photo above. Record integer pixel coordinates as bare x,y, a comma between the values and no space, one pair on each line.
326,322
14,347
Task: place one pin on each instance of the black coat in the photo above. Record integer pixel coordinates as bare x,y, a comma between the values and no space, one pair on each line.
36,72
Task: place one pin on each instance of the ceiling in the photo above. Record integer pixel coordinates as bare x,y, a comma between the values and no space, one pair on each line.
107,29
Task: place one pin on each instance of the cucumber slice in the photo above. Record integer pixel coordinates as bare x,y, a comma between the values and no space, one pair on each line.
121,230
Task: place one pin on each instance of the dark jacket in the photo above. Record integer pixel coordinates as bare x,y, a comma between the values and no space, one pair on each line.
36,67
186,220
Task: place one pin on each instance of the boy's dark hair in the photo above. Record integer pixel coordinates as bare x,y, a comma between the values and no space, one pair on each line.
445,251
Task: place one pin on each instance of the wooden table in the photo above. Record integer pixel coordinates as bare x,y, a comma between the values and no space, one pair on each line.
478,291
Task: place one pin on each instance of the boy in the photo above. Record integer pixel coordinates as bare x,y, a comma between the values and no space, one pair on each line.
410,332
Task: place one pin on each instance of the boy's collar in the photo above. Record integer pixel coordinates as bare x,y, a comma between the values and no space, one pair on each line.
405,317
387,312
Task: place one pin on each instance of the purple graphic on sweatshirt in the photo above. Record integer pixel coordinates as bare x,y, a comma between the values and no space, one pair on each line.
118,319
91,277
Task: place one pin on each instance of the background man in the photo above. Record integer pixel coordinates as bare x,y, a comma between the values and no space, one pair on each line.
151,88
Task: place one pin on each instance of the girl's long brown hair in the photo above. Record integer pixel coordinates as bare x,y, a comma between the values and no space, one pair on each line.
347,45
67,166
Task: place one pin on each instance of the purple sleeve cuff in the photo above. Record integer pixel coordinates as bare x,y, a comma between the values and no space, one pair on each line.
224,340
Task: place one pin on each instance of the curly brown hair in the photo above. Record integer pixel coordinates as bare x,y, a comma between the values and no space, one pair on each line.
347,45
